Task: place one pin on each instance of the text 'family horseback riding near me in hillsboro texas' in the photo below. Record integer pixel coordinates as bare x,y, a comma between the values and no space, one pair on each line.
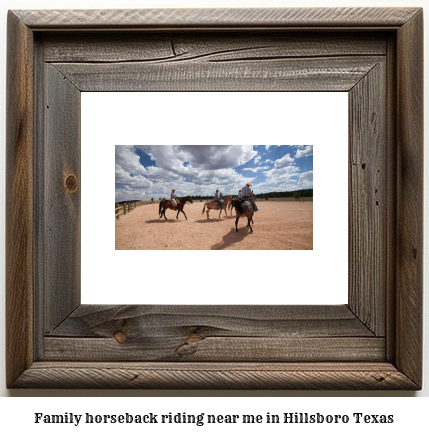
206,418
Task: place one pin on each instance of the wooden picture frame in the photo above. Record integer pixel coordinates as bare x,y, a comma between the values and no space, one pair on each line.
373,342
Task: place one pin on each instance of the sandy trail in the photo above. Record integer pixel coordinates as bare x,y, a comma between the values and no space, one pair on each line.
278,225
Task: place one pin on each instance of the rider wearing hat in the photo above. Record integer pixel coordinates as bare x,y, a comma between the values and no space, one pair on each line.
248,195
173,197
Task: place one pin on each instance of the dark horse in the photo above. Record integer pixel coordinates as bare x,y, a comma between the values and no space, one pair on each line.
243,208
165,204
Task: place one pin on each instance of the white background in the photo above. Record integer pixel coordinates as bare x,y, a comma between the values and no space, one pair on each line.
244,118
411,413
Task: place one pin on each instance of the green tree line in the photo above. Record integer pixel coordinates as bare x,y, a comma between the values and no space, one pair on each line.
299,193
295,194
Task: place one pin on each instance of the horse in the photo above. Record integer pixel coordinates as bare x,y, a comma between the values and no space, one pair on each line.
165,204
243,208
215,205
230,207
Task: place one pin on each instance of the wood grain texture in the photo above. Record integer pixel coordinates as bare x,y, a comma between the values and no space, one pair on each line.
99,321
330,74
391,192
61,187
213,333
409,279
227,46
368,202
217,348
341,376
19,200
289,18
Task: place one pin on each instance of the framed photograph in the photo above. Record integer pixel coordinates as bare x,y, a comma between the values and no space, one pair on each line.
57,340
145,173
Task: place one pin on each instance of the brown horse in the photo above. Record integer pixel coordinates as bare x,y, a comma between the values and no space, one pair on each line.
165,204
230,206
243,208
215,206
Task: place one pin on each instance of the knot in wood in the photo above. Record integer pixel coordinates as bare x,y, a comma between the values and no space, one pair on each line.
71,183
120,337
193,337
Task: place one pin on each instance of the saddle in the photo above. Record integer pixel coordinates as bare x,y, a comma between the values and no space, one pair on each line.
249,200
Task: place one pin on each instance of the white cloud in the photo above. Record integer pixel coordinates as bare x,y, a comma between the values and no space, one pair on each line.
279,179
305,151
199,157
127,159
305,180
196,170
257,159
124,178
255,169
285,161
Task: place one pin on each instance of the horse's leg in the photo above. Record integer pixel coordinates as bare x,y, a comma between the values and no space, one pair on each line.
164,214
208,213
236,221
184,214
248,224
177,216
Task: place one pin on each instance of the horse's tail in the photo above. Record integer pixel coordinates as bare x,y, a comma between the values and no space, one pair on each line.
238,206
204,208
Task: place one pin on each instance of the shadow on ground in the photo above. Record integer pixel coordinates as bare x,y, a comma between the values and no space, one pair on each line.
231,238
162,220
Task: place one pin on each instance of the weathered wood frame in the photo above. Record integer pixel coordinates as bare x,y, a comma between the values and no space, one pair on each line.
373,342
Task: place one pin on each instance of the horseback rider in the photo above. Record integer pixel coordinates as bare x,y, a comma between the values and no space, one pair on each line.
240,195
218,199
173,199
248,195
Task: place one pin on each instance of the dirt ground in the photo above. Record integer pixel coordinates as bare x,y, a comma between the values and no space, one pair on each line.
277,225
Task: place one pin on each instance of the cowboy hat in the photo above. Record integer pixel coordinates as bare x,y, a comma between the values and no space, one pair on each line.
248,184
172,190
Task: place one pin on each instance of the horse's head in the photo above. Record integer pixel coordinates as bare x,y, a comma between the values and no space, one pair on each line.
188,198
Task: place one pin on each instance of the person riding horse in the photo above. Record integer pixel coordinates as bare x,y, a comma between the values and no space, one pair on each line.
173,198
248,195
218,199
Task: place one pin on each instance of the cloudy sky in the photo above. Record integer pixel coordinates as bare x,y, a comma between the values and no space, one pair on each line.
143,172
